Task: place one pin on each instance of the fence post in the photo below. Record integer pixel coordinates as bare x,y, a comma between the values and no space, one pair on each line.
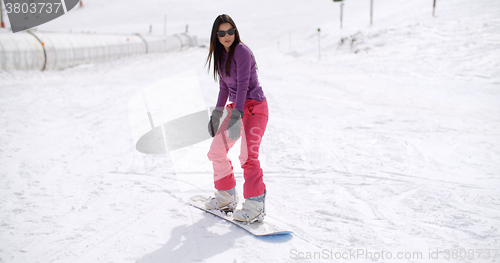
341,10
290,39
341,13
165,25
1,15
371,12
319,43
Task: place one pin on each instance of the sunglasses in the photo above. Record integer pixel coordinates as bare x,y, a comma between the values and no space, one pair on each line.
223,33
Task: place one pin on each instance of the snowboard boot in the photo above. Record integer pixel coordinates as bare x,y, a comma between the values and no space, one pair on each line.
224,200
254,210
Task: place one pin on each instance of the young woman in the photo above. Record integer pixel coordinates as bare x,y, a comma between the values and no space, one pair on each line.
235,67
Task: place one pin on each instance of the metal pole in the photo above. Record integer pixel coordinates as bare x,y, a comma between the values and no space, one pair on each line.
290,39
319,43
371,12
1,15
165,26
341,11
434,8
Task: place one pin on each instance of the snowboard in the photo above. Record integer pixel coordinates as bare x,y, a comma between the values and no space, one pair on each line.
268,227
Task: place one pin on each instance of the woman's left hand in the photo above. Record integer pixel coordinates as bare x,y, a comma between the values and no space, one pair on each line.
234,125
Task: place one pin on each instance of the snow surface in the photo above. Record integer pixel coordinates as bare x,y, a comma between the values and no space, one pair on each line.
388,143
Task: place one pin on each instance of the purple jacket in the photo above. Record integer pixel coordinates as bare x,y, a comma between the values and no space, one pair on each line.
242,83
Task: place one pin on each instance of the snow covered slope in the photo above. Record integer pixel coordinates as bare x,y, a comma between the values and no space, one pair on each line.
386,146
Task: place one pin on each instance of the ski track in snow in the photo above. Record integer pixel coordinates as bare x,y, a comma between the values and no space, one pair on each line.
389,142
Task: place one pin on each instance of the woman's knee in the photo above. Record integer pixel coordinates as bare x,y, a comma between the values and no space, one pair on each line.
216,156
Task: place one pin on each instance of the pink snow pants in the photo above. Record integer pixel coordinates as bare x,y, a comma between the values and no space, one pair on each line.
253,125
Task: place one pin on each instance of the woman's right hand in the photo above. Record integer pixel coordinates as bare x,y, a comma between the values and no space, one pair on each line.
213,124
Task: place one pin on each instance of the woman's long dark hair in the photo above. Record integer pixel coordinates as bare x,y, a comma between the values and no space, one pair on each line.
216,48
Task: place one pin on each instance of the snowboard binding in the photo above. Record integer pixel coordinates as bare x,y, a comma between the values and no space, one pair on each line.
226,210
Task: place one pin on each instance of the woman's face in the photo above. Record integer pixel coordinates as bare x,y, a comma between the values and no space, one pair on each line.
226,40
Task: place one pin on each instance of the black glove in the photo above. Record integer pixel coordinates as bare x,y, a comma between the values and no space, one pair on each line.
234,125
213,124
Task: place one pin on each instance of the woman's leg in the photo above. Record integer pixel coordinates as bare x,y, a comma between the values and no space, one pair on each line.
223,169
254,121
